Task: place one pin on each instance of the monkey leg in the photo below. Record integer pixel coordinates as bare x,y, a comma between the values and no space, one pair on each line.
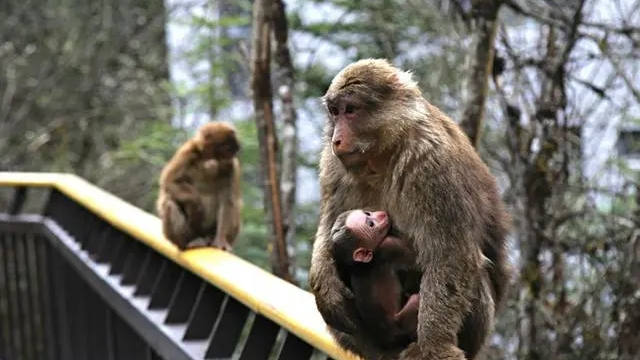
213,238
175,225
406,320
221,243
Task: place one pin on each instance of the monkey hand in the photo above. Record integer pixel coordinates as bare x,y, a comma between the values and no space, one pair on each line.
444,352
335,303
196,244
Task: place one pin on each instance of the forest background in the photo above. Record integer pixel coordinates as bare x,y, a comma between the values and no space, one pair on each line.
549,91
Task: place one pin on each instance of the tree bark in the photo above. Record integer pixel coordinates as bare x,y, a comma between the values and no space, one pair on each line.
629,328
289,162
480,61
263,108
540,180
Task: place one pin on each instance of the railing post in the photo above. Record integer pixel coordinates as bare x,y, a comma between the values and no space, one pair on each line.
19,197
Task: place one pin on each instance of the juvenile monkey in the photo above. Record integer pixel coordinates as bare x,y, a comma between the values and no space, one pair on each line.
200,196
370,255
386,147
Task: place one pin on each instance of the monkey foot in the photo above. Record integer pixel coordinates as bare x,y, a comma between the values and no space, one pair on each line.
222,244
197,243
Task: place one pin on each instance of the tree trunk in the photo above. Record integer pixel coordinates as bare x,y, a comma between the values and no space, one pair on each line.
480,63
628,287
263,108
540,180
286,84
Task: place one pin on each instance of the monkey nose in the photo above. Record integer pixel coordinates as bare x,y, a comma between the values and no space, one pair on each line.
335,146
340,148
380,215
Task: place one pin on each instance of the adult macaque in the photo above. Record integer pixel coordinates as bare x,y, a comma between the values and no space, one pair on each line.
371,256
200,196
387,148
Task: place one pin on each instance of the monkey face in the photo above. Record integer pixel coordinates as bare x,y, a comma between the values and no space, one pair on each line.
227,149
370,227
218,140
366,103
352,130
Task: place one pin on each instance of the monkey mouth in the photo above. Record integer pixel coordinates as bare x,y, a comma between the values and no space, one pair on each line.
383,224
384,227
352,159
227,150
226,154
383,231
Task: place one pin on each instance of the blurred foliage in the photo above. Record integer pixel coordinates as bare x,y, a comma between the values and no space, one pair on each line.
69,100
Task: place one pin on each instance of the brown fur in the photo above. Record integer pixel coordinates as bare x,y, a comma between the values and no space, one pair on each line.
387,148
390,314
200,195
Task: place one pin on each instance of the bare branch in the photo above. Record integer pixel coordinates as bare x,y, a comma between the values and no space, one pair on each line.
289,130
480,59
263,108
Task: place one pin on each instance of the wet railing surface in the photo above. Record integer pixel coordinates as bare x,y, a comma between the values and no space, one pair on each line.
90,276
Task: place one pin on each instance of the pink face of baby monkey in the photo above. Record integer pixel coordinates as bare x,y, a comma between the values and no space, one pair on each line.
371,228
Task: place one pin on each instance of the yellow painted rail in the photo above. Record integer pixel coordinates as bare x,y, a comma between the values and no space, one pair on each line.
264,293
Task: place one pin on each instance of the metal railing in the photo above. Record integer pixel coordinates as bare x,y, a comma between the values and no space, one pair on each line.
92,277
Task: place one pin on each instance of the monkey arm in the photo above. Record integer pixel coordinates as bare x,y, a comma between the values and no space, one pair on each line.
406,320
447,240
175,179
397,250
229,207
182,192
227,225
450,273
441,313
333,299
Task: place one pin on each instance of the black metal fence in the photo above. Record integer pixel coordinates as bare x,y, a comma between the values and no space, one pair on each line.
74,287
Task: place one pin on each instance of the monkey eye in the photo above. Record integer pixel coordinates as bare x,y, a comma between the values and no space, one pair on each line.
333,110
370,223
367,213
349,109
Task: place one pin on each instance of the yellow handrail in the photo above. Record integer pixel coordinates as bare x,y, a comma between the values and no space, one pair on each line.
264,293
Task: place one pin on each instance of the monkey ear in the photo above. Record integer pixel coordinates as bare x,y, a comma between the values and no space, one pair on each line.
362,255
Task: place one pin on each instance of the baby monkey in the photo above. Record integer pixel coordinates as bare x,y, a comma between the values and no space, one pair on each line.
373,260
